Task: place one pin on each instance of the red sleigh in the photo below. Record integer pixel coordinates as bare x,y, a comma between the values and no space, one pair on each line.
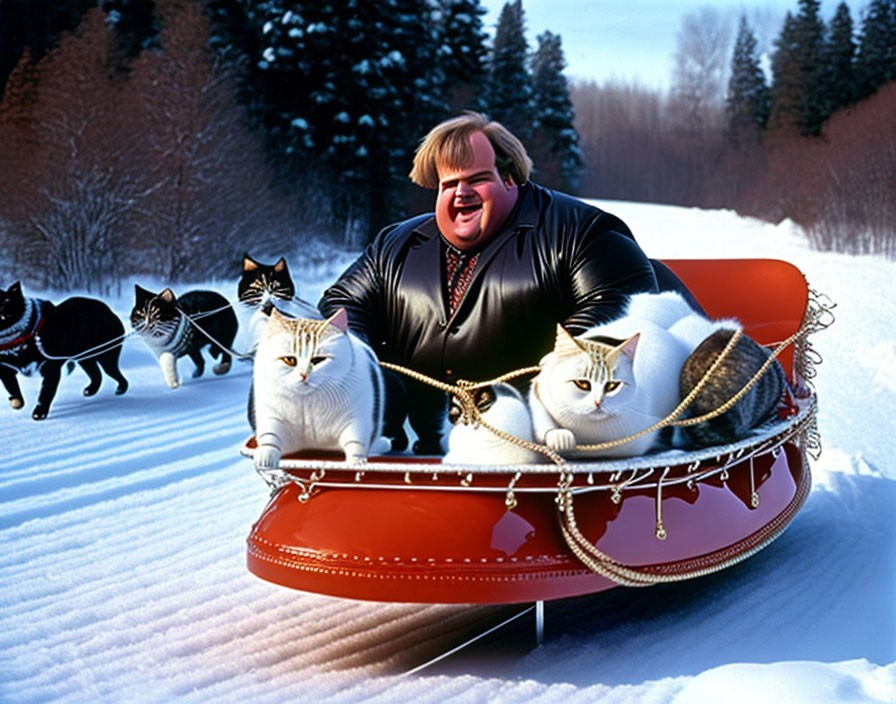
410,529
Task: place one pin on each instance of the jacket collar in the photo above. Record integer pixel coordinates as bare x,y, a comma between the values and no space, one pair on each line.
523,216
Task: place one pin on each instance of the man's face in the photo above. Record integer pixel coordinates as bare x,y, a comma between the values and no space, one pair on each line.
473,201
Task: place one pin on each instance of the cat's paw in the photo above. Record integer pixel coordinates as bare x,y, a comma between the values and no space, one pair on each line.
560,439
221,368
40,412
122,387
355,452
382,444
16,403
267,457
91,390
173,384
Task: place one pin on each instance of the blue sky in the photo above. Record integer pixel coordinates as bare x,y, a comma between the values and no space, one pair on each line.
635,40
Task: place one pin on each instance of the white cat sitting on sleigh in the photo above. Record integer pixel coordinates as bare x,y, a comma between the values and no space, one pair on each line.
315,387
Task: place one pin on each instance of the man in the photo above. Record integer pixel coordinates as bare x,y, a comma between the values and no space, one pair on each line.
477,289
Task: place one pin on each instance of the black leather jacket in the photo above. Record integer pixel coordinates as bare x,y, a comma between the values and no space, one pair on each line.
557,260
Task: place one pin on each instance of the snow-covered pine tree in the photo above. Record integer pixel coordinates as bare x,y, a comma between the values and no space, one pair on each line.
787,87
555,142
353,84
509,96
810,36
876,60
747,102
839,80
134,23
462,52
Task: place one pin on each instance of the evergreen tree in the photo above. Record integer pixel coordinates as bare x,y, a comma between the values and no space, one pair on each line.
509,96
353,84
797,93
787,85
810,35
134,23
555,142
747,103
839,62
876,61
462,52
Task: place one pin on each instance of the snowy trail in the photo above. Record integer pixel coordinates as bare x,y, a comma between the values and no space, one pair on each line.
122,551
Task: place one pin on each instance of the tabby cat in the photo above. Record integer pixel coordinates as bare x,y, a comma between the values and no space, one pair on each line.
36,335
601,387
315,387
706,339
161,320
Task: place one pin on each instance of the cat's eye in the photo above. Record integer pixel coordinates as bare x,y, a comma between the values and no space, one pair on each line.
317,360
612,387
289,361
582,384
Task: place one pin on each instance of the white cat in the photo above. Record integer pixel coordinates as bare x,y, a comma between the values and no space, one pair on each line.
618,378
503,408
316,386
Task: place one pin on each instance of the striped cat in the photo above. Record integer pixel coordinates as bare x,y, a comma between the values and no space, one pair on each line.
315,387
159,319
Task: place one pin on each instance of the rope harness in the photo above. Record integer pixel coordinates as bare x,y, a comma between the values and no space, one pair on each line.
119,340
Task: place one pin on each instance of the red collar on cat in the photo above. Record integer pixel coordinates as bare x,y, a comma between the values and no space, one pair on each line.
21,339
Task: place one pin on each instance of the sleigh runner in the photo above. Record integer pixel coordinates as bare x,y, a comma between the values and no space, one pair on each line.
411,529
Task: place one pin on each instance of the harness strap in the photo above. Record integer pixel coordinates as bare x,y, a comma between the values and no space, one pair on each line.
21,339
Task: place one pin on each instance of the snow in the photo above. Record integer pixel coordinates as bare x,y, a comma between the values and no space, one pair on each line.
122,549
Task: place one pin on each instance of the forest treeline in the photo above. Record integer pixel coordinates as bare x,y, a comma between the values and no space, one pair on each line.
167,137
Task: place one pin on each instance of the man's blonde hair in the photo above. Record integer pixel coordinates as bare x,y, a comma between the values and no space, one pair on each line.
448,143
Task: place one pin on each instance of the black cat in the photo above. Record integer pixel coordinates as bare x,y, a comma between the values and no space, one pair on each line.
260,283
175,327
36,335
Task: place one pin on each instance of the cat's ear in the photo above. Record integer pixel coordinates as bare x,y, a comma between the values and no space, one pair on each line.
630,345
141,294
167,295
339,320
15,289
565,343
277,322
280,266
249,264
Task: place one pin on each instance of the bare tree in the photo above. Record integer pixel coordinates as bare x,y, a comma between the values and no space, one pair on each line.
701,66
212,196
76,185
